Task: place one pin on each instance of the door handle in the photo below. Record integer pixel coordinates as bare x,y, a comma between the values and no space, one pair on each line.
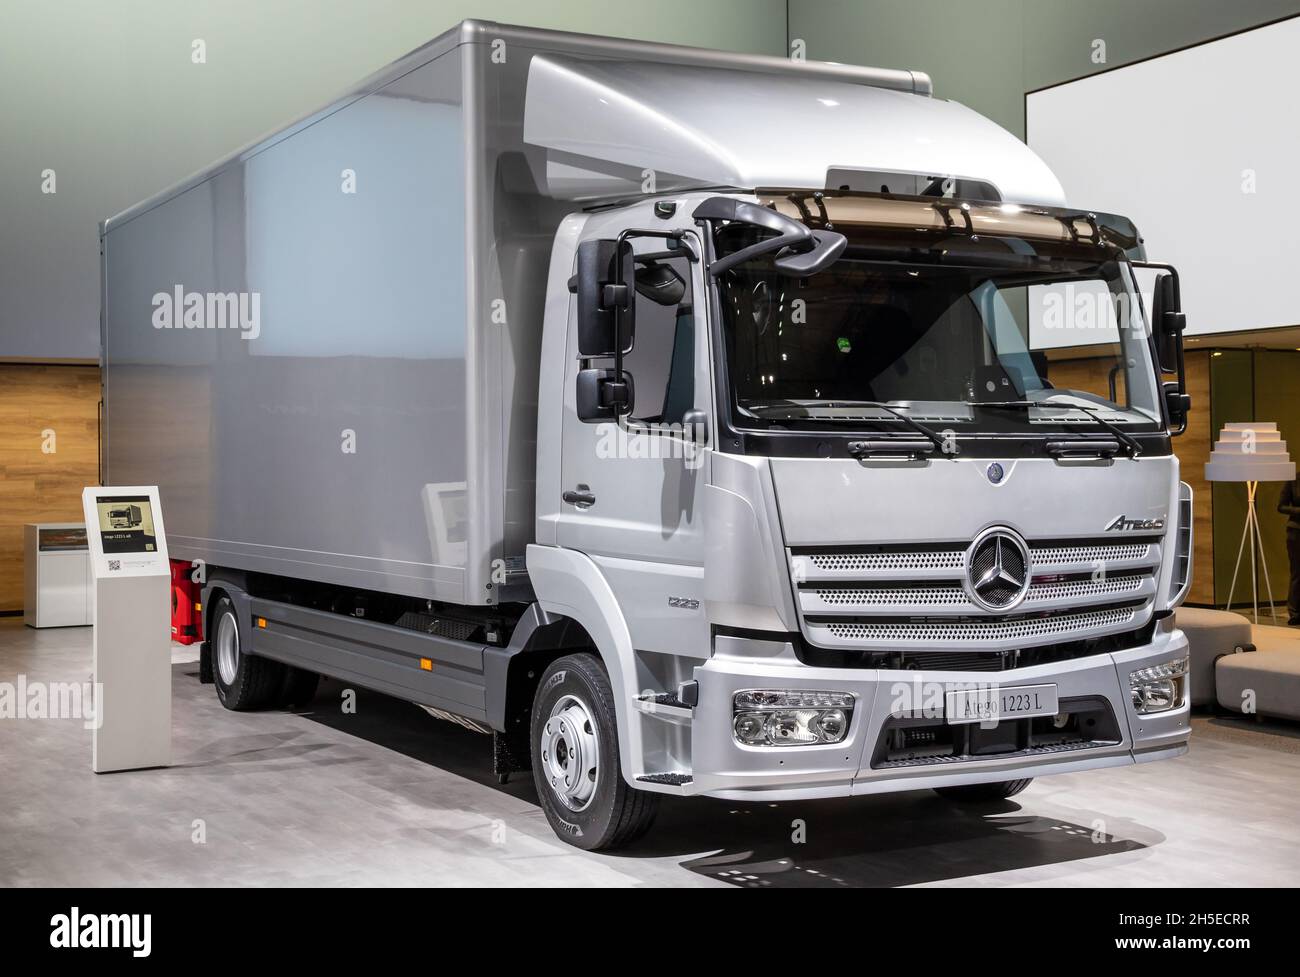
582,497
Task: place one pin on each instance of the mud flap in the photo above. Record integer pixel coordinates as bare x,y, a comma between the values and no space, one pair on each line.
205,663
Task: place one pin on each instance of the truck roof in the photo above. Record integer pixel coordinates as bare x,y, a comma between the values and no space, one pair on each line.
700,117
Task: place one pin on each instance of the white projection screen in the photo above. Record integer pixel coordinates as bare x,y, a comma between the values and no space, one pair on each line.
1201,148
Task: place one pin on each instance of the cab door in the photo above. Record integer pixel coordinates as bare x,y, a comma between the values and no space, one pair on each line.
633,488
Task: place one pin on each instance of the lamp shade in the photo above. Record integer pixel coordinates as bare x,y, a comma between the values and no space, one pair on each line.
1251,451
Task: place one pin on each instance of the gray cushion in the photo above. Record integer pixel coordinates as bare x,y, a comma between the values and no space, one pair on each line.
1210,634
1272,673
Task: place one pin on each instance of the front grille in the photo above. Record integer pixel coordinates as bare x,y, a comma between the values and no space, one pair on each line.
926,562
994,635
891,561
952,597
916,598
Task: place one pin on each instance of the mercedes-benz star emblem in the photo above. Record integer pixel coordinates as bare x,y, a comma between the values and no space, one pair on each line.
997,569
995,473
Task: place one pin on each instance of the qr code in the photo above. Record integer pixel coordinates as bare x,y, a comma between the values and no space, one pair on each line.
115,564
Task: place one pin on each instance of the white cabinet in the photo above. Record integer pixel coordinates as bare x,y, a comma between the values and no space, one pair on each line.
59,590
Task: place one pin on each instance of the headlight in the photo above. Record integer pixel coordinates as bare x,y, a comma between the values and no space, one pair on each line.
790,717
1158,688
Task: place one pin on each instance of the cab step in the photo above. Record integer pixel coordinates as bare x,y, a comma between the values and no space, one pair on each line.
664,705
667,779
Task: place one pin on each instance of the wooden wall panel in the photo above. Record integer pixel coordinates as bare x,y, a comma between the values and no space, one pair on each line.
43,407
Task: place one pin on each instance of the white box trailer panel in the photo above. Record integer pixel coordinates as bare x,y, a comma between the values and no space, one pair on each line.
290,350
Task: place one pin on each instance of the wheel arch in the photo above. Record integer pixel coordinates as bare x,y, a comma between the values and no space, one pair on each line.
570,587
226,583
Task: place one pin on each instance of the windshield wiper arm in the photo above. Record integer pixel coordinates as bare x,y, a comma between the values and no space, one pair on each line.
1130,442
946,446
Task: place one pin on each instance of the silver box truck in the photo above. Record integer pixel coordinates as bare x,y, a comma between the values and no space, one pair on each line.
692,423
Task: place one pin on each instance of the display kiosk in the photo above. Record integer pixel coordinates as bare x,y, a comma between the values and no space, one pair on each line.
132,637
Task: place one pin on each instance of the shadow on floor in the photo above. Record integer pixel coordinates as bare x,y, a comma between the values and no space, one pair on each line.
890,840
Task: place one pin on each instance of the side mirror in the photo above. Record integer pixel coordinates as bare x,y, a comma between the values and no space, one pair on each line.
1168,322
1177,405
603,395
695,423
660,283
605,301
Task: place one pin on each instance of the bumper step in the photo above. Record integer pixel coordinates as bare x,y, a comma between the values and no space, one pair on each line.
1033,751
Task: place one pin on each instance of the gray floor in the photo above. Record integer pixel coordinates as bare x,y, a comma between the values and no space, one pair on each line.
390,796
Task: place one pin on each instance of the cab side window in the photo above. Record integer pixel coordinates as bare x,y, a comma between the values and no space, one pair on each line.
662,361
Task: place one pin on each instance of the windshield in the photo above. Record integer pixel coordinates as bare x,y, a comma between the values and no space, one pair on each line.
977,332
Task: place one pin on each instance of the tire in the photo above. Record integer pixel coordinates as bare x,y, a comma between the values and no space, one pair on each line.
983,793
243,681
298,688
574,733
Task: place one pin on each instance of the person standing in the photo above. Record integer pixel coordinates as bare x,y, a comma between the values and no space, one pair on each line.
1289,506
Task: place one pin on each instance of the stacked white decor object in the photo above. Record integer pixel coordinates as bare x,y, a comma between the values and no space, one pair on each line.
1251,452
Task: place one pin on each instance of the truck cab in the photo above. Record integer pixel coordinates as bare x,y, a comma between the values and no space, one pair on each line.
821,499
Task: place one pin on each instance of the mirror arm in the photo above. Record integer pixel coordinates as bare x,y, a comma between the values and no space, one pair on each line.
790,233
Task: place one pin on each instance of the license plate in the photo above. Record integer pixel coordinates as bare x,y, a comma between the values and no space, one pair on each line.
989,705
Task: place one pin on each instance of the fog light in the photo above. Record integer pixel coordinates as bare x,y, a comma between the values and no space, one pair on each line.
1158,688
791,718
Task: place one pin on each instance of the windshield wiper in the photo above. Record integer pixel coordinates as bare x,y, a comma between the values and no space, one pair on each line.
1133,445
947,446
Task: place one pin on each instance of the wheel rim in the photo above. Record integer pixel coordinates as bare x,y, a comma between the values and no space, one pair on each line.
227,647
570,752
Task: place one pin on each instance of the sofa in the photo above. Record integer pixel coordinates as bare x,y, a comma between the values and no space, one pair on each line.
1270,674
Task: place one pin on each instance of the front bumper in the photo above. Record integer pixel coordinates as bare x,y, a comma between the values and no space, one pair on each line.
723,768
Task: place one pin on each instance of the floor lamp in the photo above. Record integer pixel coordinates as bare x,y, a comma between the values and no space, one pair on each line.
1252,452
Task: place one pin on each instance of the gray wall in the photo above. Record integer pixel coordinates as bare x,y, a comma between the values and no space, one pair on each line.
988,53
106,95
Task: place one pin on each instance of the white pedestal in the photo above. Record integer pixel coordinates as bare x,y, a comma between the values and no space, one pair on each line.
132,637
133,674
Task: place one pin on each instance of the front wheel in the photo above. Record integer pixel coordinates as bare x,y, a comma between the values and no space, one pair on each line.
978,793
575,759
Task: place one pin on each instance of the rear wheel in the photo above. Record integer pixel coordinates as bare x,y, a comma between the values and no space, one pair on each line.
243,681
975,793
575,759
